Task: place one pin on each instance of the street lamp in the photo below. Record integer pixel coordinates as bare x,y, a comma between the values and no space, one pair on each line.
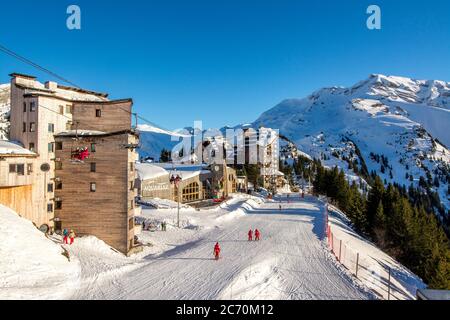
176,180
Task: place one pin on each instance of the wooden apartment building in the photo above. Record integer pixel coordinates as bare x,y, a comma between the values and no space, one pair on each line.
96,196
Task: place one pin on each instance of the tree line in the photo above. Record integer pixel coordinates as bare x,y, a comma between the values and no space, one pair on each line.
395,219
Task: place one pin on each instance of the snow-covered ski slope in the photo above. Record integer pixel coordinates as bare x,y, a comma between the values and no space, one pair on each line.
32,266
291,261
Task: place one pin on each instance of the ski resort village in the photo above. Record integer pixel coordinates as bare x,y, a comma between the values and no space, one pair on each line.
97,202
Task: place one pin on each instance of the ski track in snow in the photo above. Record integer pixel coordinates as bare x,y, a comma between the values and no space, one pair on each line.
291,262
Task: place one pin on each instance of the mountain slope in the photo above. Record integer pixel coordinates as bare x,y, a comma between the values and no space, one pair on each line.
394,126
4,110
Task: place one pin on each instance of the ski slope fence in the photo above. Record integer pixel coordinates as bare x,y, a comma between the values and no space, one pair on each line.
381,279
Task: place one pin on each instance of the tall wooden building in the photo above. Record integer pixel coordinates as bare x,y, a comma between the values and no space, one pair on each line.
94,196
97,196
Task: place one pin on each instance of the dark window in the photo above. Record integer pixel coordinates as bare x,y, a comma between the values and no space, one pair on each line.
51,147
93,167
61,109
31,147
24,107
32,106
24,128
58,205
98,113
12,168
50,187
51,127
32,127
92,147
93,187
131,185
21,169
49,207
58,146
58,185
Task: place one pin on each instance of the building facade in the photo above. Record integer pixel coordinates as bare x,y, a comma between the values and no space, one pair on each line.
96,196
17,171
38,112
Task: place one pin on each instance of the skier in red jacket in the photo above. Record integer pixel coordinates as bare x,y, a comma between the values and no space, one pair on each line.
257,235
217,251
250,235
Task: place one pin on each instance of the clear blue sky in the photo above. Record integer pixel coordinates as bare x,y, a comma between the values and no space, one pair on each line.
224,61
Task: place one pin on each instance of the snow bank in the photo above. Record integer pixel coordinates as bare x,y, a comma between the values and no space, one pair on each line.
373,264
32,266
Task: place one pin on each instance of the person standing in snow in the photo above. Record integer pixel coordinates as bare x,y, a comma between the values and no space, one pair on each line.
217,251
257,235
65,235
250,235
71,236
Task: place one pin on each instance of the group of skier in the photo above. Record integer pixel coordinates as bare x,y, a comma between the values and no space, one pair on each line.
257,234
68,235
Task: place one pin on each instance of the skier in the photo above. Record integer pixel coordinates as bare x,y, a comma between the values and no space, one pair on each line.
250,235
71,236
257,235
217,251
65,235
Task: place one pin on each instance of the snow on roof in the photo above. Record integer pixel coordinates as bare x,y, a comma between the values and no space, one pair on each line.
13,148
81,133
69,93
150,171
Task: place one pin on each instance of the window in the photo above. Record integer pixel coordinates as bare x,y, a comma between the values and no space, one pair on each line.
21,169
131,166
49,207
68,125
32,127
24,128
131,185
93,187
24,106
51,147
58,165
50,187
69,109
12,168
51,128
98,113
93,167
29,168
31,146
191,192
61,109
92,147
58,145
58,185
32,106
58,205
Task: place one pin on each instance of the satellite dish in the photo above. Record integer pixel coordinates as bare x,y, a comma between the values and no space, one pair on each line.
45,167
44,228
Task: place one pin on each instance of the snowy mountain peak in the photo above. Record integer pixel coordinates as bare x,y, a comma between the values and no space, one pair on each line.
403,119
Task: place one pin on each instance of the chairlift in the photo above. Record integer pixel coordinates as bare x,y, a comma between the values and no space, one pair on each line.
79,154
